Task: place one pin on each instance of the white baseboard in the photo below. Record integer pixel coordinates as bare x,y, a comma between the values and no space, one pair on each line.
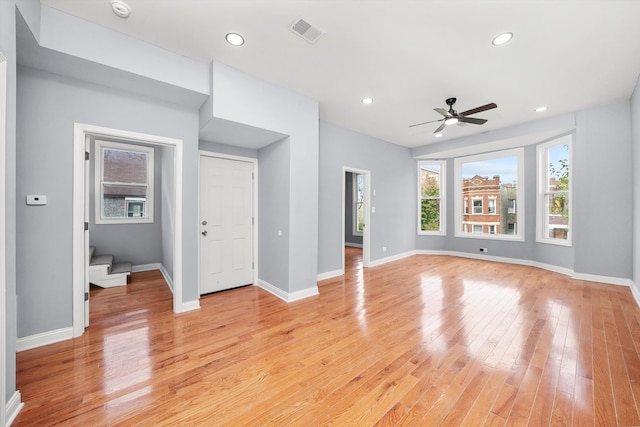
353,245
602,279
13,407
155,266
330,274
635,292
391,258
286,296
189,306
44,338
566,271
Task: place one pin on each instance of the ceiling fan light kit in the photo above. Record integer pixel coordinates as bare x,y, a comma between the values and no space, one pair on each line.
452,117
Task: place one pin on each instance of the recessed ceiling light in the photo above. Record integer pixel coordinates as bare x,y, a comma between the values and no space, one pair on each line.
541,109
120,8
451,121
438,135
367,101
235,39
502,39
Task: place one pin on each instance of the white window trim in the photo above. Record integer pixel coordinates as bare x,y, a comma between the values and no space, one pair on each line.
518,153
542,169
443,192
99,219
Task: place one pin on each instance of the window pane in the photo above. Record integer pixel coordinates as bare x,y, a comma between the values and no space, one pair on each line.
557,216
128,167
431,193
360,188
558,167
554,187
116,199
430,217
359,217
492,182
477,206
492,206
430,180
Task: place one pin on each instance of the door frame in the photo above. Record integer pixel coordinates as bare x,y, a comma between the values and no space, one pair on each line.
366,233
3,259
254,230
80,169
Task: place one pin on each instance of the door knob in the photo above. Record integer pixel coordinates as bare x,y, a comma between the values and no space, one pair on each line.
204,233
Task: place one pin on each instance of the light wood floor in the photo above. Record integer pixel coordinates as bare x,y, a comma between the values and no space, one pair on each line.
427,340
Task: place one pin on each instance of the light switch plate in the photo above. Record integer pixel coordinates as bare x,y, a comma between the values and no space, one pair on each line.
36,199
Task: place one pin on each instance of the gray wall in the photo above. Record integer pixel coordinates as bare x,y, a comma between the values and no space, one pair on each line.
603,196
244,99
348,210
273,212
601,238
137,243
635,148
393,178
47,109
8,49
166,205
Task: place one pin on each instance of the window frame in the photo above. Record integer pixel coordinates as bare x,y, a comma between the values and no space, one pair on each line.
518,153
99,183
542,166
442,164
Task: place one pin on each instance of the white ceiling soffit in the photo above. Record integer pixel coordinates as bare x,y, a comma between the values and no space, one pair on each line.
498,145
409,56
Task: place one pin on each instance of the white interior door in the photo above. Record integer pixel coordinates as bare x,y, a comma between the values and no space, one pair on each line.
226,224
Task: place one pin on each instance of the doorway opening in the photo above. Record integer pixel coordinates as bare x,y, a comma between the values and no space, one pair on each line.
82,136
356,208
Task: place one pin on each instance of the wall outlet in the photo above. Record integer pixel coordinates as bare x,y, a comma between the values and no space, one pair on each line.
384,249
484,250
36,199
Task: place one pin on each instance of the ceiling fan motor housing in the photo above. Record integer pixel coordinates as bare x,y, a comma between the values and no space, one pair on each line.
450,102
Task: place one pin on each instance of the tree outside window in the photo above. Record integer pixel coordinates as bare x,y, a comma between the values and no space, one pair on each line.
430,184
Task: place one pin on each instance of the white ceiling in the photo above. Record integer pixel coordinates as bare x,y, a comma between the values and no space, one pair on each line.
409,56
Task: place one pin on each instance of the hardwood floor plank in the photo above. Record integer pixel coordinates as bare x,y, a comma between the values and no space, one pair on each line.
426,340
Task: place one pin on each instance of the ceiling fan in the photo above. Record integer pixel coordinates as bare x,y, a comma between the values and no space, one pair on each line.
452,117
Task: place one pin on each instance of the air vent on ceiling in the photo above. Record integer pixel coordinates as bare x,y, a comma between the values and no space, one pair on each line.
306,30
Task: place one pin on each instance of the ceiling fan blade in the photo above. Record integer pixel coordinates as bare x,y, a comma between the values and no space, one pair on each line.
471,120
442,126
443,112
479,109
424,123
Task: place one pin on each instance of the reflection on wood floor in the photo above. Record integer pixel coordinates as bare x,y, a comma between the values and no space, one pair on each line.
426,340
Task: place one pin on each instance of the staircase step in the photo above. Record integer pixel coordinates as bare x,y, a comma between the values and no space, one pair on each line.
102,260
121,267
